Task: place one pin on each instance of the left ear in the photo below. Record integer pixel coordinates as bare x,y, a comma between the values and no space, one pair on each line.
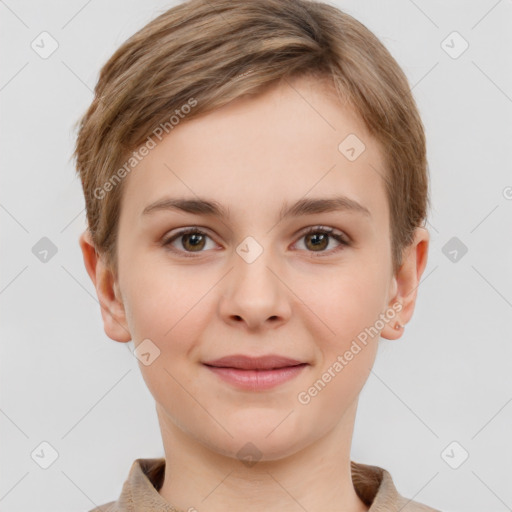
406,282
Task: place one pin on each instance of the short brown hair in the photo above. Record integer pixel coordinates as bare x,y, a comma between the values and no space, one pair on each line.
199,55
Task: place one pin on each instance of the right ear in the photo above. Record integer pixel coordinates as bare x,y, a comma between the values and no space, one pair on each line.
112,307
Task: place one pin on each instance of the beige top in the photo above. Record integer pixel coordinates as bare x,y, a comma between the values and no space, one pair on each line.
140,490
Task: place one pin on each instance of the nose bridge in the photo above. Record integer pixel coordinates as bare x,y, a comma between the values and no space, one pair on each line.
253,261
254,293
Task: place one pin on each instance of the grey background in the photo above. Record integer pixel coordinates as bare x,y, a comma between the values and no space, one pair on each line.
64,382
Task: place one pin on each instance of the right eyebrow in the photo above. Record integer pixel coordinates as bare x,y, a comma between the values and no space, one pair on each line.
196,206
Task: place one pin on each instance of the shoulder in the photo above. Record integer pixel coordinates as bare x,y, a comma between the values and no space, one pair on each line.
392,498
415,506
376,489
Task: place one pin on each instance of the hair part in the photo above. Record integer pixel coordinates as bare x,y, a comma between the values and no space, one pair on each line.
200,55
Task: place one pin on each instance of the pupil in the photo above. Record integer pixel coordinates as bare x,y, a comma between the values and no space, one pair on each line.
322,238
195,238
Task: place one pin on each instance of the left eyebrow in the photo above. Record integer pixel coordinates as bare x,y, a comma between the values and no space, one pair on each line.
302,207
323,205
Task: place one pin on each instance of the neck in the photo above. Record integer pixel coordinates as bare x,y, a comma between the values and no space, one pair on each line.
315,478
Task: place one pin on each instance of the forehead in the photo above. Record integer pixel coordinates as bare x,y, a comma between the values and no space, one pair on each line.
293,140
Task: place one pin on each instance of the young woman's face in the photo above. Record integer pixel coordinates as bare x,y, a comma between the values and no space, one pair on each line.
254,282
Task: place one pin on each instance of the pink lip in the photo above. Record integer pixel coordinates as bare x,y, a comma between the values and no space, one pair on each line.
255,373
257,379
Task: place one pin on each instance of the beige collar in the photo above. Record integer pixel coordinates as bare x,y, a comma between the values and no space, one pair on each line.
373,485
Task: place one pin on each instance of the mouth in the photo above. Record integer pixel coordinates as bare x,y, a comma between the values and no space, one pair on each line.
256,373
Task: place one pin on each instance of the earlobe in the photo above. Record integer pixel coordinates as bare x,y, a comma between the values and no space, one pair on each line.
396,325
112,307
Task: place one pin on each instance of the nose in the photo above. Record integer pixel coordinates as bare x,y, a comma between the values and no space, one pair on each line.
255,293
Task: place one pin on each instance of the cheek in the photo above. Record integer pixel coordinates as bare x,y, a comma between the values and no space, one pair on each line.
172,313
168,312
349,308
159,302
346,302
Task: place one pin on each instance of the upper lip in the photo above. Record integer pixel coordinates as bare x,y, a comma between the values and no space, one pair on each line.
244,362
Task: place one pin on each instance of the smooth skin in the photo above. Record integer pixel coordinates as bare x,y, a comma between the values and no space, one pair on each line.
305,296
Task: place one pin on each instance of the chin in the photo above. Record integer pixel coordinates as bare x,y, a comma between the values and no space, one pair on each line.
260,440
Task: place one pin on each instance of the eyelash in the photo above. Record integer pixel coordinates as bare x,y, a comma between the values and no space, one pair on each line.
343,240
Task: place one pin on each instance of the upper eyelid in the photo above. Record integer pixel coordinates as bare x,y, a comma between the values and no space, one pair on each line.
300,233
320,227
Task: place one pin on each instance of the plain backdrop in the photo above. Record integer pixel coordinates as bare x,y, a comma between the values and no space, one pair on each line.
439,394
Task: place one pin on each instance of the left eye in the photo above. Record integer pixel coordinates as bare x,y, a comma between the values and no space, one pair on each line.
193,240
318,238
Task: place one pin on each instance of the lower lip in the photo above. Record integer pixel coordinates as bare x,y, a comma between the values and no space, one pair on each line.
256,380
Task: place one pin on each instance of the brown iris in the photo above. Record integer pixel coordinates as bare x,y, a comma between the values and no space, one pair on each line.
320,240
197,241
